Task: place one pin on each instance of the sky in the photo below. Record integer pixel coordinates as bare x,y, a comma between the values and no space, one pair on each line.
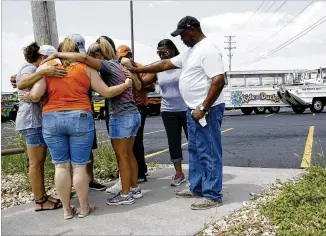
155,20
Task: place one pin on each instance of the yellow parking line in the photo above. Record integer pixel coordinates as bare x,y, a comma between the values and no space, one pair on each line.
165,150
226,130
306,160
154,132
269,115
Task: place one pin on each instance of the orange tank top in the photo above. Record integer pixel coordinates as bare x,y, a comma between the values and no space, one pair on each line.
69,92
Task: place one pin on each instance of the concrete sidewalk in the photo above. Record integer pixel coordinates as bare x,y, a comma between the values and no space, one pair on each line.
157,213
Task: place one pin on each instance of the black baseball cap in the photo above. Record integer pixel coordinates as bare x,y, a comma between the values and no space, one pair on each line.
185,23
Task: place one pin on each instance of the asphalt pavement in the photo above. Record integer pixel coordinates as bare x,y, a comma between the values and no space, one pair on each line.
266,141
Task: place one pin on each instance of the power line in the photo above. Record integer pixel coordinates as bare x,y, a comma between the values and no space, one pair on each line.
264,5
282,27
229,47
263,23
243,26
302,33
257,21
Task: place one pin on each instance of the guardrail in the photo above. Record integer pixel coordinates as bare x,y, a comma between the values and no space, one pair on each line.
12,151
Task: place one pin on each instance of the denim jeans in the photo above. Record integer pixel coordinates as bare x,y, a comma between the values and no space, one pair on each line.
69,136
205,154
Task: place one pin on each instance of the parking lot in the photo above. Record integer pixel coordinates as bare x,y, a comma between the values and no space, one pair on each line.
267,140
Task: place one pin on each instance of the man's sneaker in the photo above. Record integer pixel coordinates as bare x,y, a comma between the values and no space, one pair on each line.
187,194
96,186
115,189
136,193
120,199
178,179
206,204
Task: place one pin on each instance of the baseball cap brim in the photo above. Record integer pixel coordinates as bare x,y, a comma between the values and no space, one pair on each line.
47,50
177,32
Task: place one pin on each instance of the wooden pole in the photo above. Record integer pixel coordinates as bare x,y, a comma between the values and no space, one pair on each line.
12,151
44,23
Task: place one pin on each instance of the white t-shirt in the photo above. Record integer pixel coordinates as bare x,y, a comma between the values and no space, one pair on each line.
199,65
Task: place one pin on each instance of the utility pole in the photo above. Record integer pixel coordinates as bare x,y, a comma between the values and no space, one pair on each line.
229,47
44,23
132,29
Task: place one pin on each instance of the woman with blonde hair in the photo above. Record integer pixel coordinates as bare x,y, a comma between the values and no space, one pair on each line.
68,125
124,116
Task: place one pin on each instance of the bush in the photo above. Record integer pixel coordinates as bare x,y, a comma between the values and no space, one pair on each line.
301,208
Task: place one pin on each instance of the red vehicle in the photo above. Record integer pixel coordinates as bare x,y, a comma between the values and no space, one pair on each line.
154,101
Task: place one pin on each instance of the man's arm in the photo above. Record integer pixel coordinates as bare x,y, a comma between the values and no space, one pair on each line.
155,67
215,90
212,65
27,80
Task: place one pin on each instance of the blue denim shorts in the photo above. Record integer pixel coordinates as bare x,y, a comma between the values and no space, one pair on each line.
69,136
124,126
33,137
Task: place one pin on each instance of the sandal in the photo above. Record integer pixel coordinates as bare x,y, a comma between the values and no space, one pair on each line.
45,199
72,213
53,199
90,210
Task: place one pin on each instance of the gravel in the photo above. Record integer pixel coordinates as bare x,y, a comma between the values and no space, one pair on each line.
16,190
248,221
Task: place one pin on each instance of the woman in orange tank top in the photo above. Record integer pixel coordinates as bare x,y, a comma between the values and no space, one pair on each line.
68,125
124,120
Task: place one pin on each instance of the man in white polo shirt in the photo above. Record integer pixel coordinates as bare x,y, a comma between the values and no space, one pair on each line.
201,83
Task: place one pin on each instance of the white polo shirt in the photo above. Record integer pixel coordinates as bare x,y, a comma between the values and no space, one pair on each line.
199,65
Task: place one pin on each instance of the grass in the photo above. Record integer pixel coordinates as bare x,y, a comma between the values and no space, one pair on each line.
301,208
294,207
105,164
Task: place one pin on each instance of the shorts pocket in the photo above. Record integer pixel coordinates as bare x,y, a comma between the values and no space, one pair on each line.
83,123
49,123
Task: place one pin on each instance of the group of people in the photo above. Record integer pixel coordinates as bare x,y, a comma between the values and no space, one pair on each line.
55,112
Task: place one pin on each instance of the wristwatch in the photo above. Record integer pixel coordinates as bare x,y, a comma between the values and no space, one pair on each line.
202,108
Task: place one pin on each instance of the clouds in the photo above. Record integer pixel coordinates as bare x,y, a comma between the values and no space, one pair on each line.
12,56
155,22
250,35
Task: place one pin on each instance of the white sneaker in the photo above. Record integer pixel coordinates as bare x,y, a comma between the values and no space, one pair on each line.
116,188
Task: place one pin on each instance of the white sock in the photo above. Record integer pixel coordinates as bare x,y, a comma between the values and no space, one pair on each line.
134,189
124,195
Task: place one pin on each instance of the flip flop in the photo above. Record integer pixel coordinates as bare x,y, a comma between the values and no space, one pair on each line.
90,210
72,213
